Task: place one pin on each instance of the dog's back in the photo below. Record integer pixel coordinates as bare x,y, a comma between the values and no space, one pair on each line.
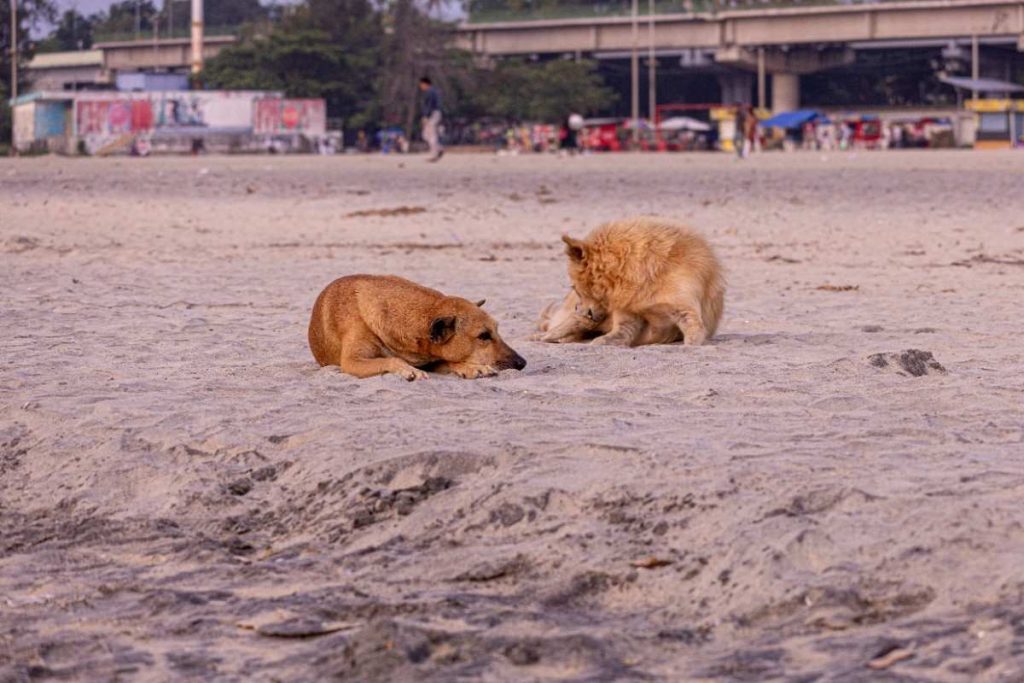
385,305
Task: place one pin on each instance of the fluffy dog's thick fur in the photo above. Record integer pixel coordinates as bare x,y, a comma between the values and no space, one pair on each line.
377,324
655,279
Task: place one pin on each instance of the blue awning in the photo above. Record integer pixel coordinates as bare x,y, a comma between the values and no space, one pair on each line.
791,119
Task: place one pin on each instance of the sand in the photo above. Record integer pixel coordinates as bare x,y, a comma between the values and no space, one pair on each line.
185,495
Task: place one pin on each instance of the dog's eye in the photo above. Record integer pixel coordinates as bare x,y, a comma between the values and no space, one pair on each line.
484,336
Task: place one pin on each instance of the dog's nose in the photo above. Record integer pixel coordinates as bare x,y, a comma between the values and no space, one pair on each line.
518,362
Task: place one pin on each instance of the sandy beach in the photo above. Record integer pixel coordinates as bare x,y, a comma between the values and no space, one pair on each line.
186,495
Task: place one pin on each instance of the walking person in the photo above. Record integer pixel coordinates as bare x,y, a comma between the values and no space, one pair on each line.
739,136
753,144
431,113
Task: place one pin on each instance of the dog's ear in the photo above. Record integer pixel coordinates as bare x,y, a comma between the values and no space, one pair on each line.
480,304
575,249
442,329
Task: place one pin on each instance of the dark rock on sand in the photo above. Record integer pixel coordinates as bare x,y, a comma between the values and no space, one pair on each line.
913,362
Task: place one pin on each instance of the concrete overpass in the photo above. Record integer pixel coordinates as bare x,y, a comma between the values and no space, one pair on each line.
162,53
87,69
782,42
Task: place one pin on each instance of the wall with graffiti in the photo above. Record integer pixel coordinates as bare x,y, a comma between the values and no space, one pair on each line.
277,116
109,115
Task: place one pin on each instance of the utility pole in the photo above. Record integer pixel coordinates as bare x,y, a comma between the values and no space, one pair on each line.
14,50
760,79
14,65
634,68
197,36
975,66
652,69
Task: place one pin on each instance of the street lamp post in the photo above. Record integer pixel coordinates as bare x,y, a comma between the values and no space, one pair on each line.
14,50
652,69
197,36
14,65
975,64
634,68
761,104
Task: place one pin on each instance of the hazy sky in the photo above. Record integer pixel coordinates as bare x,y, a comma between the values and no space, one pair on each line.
87,7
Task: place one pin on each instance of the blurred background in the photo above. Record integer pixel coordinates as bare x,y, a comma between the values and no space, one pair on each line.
658,75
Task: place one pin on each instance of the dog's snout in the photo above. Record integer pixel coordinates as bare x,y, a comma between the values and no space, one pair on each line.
512,361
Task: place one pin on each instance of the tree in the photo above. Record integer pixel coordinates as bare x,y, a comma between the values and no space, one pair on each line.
322,48
232,12
125,18
524,91
73,32
175,17
32,14
414,46
365,58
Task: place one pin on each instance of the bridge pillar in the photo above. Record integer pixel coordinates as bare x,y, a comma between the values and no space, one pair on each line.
736,87
785,92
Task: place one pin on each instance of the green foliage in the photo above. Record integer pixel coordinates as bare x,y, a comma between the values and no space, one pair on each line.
549,91
73,32
120,18
31,13
414,46
176,15
323,48
300,63
366,58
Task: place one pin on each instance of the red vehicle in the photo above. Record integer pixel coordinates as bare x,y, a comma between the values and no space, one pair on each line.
867,132
601,135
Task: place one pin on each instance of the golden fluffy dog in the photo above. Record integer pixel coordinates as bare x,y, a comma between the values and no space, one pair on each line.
378,324
647,280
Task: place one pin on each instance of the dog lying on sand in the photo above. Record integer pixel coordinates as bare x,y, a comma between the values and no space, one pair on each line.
639,281
379,324
576,320
571,320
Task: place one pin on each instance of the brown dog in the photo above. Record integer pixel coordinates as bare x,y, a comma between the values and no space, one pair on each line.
657,281
376,324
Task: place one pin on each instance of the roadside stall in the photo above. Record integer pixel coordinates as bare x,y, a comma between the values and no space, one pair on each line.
684,134
601,135
1000,120
1000,123
792,129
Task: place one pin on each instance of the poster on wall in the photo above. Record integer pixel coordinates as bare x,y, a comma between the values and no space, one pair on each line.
110,115
277,116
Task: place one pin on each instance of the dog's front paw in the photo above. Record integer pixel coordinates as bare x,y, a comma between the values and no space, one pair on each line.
412,374
476,371
694,337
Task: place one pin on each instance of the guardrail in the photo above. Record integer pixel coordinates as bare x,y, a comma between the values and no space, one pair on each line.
494,11
184,32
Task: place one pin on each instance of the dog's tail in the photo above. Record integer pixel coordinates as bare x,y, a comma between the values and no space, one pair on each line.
713,305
